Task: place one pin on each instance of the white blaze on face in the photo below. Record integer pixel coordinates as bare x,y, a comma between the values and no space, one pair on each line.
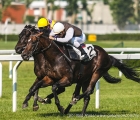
29,40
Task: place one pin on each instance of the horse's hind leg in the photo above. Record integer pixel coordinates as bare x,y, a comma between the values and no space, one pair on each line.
95,77
61,83
86,99
76,93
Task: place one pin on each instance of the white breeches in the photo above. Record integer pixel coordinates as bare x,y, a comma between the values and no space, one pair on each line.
76,41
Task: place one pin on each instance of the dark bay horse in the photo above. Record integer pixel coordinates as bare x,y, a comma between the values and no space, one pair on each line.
65,73
40,67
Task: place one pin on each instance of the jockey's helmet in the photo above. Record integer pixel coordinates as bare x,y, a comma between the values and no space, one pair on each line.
58,27
52,23
42,22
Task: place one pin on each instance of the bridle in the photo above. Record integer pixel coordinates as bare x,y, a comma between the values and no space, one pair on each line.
46,48
37,43
28,30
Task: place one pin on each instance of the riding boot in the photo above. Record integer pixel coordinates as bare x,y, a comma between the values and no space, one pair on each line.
83,53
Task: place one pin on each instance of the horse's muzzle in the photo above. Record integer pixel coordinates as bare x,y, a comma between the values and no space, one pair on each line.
19,50
25,57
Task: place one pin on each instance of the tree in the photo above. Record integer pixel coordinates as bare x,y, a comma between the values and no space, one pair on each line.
52,7
106,2
137,11
122,11
28,2
85,8
72,9
5,4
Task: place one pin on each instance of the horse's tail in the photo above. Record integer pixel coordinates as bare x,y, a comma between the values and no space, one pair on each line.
111,79
129,72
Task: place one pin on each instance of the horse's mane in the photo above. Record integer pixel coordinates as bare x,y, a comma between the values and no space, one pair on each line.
60,44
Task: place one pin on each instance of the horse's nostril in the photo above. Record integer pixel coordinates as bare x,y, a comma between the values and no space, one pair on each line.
18,50
25,57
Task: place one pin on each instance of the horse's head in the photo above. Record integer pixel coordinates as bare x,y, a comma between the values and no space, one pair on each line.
31,46
23,38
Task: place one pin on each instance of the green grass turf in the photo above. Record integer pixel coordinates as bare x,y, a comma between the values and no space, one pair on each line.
117,101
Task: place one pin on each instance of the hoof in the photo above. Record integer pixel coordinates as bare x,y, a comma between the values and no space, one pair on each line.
62,110
35,108
40,100
66,111
24,105
47,101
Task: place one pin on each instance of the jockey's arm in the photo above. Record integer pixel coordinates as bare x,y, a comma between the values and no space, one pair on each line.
52,33
68,36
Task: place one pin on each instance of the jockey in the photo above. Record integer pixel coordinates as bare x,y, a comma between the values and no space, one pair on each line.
44,24
67,33
52,22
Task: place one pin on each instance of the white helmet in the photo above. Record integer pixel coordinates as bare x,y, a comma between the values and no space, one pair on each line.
58,27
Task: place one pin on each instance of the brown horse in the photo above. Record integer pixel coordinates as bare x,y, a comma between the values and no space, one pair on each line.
40,68
65,73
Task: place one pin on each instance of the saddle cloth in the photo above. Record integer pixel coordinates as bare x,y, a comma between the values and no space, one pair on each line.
75,54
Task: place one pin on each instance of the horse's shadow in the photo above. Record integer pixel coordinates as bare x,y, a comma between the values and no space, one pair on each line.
91,113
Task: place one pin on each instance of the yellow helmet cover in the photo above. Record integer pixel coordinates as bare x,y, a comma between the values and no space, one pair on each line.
42,22
52,23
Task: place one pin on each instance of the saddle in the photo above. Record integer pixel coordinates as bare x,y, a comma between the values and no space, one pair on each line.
75,54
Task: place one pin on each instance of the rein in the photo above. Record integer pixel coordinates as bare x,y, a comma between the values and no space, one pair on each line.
44,49
28,30
62,51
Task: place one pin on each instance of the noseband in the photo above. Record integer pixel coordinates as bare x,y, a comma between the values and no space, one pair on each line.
28,30
37,43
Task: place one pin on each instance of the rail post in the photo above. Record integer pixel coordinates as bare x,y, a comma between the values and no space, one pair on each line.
15,85
0,80
97,94
10,68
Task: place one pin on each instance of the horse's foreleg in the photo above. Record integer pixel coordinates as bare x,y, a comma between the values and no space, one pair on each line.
35,105
57,102
47,100
73,102
35,95
46,81
27,98
62,83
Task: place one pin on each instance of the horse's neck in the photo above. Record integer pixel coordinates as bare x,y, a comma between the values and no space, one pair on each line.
51,52
40,60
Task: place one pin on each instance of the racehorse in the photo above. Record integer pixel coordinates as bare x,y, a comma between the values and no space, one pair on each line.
65,73
40,68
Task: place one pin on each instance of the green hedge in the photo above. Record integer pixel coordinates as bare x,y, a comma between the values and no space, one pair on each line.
124,36
11,37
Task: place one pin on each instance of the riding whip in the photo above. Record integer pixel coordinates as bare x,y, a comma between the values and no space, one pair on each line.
62,52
